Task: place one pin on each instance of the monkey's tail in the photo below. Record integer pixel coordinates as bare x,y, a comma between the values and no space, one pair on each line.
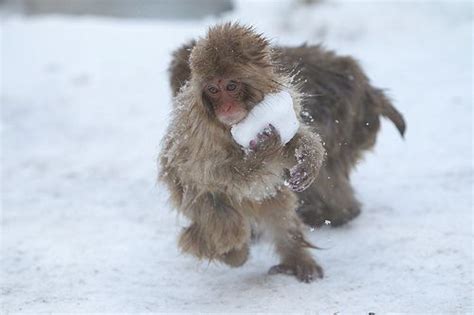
389,111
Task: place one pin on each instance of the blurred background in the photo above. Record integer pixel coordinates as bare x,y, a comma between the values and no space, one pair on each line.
167,9
85,101
141,9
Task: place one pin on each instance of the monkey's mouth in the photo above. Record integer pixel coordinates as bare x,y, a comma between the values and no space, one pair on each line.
233,118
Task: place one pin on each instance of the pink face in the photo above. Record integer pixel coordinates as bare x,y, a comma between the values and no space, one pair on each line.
226,98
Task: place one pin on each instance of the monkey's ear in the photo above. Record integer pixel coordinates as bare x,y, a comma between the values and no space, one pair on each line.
178,69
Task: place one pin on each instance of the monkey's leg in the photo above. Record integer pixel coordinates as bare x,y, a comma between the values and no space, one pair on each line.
286,230
218,231
236,257
233,250
292,248
331,198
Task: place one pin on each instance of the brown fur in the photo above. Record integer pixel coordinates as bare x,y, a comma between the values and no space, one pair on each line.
224,191
180,72
345,110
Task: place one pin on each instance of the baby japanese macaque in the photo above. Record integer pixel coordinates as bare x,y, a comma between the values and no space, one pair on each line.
244,148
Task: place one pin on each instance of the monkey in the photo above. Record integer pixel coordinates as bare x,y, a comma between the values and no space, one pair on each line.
222,189
227,192
345,110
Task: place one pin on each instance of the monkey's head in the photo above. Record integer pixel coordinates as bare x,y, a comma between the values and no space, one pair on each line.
232,70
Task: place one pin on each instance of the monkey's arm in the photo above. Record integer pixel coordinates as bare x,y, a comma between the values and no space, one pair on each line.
169,177
303,156
306,152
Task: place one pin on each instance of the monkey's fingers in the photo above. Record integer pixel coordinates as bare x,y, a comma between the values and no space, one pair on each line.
299,179
281,269
253,145
301,186
259,143
304,272
308,272
270,132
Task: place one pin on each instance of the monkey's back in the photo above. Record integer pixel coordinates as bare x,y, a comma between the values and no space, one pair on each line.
344,108
339,101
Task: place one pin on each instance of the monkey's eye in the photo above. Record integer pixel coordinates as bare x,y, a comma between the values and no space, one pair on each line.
213,89
231,86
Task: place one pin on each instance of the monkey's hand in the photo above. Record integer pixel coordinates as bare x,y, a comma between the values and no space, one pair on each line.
268,143
308,153
300,177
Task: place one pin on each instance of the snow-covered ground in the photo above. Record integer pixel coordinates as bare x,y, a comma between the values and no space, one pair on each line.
85,227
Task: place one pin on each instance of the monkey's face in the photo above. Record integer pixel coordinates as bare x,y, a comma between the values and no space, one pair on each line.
226,99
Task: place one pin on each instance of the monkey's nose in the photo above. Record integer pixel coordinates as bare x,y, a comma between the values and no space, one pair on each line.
226,107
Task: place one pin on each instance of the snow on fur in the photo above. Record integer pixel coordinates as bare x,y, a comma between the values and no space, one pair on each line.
86,229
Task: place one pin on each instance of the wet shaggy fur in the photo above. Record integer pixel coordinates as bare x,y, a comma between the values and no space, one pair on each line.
225,191
338,103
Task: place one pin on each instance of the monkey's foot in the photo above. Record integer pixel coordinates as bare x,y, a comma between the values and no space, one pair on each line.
332,217
192,241
218,245
306,271
236,257
344,216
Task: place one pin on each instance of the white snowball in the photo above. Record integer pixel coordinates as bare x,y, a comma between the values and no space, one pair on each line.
276,109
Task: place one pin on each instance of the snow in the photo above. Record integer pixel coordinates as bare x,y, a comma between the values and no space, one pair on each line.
85,227
275,109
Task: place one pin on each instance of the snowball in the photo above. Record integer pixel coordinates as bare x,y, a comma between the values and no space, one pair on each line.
276,109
